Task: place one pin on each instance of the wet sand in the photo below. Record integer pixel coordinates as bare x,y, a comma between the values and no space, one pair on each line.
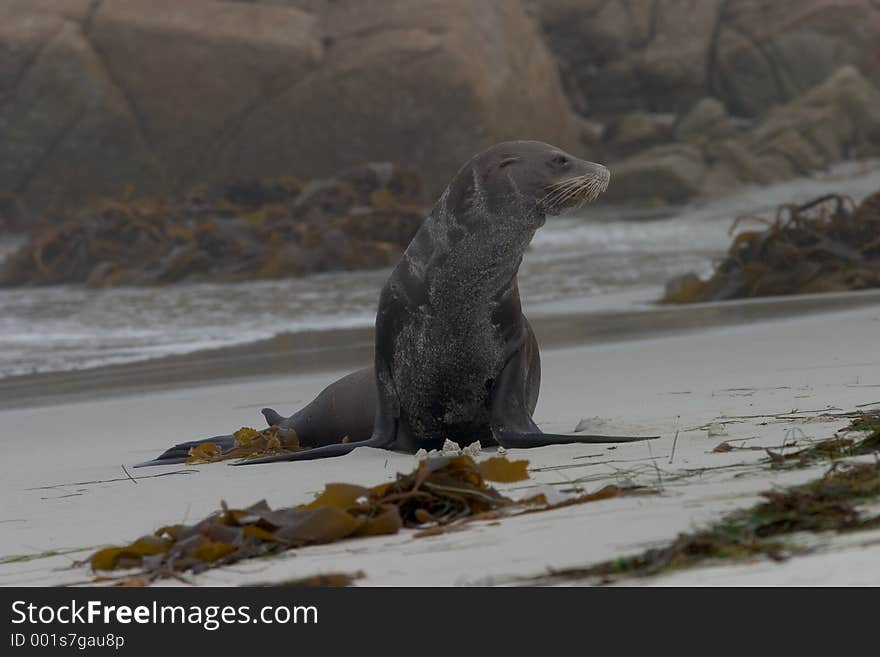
63,486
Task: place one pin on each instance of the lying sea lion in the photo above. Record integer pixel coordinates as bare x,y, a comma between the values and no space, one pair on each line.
455,357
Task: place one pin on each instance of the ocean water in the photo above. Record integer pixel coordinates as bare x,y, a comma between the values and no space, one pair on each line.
604,258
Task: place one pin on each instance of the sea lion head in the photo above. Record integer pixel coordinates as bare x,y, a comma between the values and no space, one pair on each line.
523,182
488,215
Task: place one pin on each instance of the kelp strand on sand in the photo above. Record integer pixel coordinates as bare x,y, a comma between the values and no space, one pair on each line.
829,503
824,245
826,504
841,446
441,493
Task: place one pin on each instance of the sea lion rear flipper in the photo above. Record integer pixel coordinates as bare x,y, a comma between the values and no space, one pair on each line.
180,452
326,451
385,425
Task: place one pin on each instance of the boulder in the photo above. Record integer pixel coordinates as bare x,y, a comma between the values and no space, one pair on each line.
738,161
707,119
662,56
663,174
635,131
68,131
618,56
145,97
428,83
837,119
768,52
194,71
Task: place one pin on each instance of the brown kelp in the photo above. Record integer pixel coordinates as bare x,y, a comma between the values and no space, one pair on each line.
249,443
823,245
440,494
256,229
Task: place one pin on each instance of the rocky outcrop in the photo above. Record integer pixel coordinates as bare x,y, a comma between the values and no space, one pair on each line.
708,118
665,174
145,97
768,52
66,128
428,83
634,132
838,119
618,56
663,55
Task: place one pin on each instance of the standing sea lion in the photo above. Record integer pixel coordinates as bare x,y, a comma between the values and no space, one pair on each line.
455,356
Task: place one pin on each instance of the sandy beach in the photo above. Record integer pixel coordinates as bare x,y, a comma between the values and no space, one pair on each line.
762,379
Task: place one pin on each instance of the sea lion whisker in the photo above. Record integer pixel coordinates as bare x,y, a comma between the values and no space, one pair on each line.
560,189
564,184
592,188
574,192
562,195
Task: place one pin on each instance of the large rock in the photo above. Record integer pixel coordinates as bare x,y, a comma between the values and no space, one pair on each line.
707,119
663,174
194,71
153,96
428,83
66,129
769,52
619,56
836,120
633,132
661,56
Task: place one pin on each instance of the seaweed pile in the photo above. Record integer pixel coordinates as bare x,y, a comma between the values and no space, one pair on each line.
248,443
362,218
439,495
825,245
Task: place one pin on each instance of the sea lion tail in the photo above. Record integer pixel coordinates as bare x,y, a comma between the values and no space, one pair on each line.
273,418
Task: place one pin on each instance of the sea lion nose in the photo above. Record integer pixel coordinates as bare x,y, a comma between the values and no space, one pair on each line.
598,174
599,171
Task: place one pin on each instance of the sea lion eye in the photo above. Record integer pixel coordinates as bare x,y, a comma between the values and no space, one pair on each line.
507,161
561,160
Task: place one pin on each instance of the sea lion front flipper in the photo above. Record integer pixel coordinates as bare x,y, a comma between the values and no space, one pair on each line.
180,452
512,424
513,439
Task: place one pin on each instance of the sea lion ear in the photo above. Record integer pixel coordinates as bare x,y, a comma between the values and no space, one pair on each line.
507,161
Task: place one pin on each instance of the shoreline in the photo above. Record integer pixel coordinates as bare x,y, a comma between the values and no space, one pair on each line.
350,348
